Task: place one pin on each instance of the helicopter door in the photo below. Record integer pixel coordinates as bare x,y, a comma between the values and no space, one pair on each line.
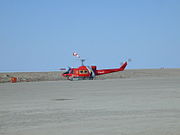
76,72
71,71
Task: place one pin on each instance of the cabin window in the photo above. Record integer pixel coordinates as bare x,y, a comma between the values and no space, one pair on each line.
83,72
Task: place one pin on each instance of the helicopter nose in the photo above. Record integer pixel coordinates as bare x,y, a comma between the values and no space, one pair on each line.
64,75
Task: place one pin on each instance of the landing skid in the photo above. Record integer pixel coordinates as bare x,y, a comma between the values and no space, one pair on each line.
80,78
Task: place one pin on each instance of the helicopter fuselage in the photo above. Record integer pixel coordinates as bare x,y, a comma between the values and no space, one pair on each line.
89,72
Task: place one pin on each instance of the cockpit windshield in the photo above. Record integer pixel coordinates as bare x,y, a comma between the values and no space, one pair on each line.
68,71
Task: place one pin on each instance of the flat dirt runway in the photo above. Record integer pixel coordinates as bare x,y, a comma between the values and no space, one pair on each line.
129,106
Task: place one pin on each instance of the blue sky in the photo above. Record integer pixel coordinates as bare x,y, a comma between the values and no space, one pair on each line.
41,35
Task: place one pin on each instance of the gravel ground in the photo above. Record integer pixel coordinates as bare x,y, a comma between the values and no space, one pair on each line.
145,103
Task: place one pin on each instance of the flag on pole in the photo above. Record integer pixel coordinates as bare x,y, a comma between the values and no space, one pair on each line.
76,54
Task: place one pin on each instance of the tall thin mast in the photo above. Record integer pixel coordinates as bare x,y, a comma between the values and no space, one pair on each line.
82,62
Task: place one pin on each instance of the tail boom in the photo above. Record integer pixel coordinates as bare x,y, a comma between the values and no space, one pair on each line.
107,71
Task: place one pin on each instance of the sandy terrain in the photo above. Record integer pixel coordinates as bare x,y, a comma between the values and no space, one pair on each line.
137,102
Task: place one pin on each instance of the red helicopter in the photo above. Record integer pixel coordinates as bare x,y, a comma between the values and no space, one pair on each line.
88,72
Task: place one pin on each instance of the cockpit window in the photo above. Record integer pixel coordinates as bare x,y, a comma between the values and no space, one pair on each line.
69,71
66,72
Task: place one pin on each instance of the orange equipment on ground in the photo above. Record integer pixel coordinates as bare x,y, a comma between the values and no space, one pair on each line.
13,79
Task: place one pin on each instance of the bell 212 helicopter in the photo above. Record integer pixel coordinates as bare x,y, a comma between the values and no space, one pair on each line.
88,72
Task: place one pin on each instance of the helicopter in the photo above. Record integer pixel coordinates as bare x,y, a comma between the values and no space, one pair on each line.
88,72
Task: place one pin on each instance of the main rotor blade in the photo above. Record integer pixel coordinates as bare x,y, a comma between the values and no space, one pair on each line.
62,69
